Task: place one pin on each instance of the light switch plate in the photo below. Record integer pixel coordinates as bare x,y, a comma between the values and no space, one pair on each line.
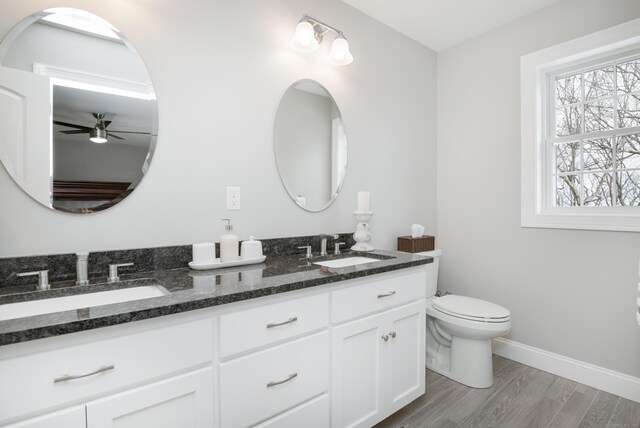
233,198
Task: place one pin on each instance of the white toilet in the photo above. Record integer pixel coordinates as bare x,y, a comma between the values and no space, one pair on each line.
459,332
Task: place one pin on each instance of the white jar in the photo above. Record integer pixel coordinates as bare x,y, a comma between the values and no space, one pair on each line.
250,249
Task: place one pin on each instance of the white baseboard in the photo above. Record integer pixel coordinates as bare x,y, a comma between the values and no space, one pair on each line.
588,374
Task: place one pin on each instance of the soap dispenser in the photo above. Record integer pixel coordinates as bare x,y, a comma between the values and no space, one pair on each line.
228,244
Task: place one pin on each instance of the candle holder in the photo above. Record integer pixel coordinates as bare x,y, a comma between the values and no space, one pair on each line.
362,235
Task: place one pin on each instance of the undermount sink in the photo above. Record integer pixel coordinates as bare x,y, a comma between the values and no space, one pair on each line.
348,261
78,301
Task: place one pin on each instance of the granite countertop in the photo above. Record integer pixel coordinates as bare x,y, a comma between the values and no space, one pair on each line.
188,290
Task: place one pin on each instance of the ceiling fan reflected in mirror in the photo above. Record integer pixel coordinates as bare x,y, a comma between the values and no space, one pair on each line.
98,133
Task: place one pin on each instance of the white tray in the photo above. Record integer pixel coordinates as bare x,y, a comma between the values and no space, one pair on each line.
217,264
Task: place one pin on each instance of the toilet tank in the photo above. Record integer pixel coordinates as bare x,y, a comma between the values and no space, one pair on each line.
432,272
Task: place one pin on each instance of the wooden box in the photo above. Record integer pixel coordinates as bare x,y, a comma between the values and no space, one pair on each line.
416,245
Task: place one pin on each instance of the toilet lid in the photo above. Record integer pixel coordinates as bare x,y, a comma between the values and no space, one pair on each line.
470,308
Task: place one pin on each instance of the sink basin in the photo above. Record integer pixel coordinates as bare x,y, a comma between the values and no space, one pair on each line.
78,301
347,261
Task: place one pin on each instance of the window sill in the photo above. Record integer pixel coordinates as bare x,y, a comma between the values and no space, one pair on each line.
570,219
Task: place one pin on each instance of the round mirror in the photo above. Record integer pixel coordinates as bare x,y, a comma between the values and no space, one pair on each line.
78,113
310,145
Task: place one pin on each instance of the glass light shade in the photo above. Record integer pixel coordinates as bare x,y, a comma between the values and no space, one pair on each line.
339,54
98,135
304,39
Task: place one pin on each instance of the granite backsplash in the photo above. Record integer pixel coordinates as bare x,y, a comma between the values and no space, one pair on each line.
62,267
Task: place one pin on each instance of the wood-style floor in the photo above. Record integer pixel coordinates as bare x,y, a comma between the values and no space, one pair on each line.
520,397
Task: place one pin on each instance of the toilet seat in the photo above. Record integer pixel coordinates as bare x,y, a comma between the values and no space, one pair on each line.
471,309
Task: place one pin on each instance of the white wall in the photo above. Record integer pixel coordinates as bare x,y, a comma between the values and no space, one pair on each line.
570,292
222,66
77,160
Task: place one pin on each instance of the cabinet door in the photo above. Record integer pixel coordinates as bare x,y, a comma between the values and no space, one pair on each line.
405,367
184,401
73,417
358,358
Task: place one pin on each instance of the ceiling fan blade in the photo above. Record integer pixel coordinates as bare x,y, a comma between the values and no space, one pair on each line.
80,131
132,132
114,136
70,125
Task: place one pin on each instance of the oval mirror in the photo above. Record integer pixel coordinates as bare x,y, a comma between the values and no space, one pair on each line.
78,113
310,145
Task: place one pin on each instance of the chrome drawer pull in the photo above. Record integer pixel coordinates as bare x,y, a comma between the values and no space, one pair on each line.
390,293
278,324
392,334
385,337
291,377
102,369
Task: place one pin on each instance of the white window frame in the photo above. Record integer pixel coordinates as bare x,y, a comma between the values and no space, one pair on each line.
536,70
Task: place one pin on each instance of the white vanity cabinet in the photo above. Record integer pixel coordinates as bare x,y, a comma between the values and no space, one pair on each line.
346,354
130,371
274,367
183,401
377,359
73,417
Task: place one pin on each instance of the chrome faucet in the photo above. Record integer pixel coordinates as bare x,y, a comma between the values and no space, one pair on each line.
82,265
113,271
43,278
323,242
307,249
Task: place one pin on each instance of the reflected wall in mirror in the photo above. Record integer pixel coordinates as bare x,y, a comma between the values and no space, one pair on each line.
310,145
78,113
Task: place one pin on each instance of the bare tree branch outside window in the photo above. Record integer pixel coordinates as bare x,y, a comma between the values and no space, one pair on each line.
597,160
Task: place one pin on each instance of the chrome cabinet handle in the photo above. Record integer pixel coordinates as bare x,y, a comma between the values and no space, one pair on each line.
392,334
278,324
102,369
280,382
385,337
390,293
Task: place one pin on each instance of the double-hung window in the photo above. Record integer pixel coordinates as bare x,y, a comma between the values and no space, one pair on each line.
581,132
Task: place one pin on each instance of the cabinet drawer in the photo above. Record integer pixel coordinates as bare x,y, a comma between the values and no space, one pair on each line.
29,382
312,414
377,295
266,383
251,328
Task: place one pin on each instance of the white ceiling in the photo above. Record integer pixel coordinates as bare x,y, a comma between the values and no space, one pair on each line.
441,24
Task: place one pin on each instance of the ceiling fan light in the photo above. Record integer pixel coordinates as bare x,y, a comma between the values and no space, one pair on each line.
340,54
304,39
98,135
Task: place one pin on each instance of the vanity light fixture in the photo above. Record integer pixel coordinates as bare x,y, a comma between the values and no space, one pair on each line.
310,32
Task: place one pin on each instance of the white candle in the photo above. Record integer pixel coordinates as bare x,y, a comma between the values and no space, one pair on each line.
363,201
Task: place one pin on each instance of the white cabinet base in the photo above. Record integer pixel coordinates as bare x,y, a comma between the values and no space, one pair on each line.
312,414
73,417
377,365
183,401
